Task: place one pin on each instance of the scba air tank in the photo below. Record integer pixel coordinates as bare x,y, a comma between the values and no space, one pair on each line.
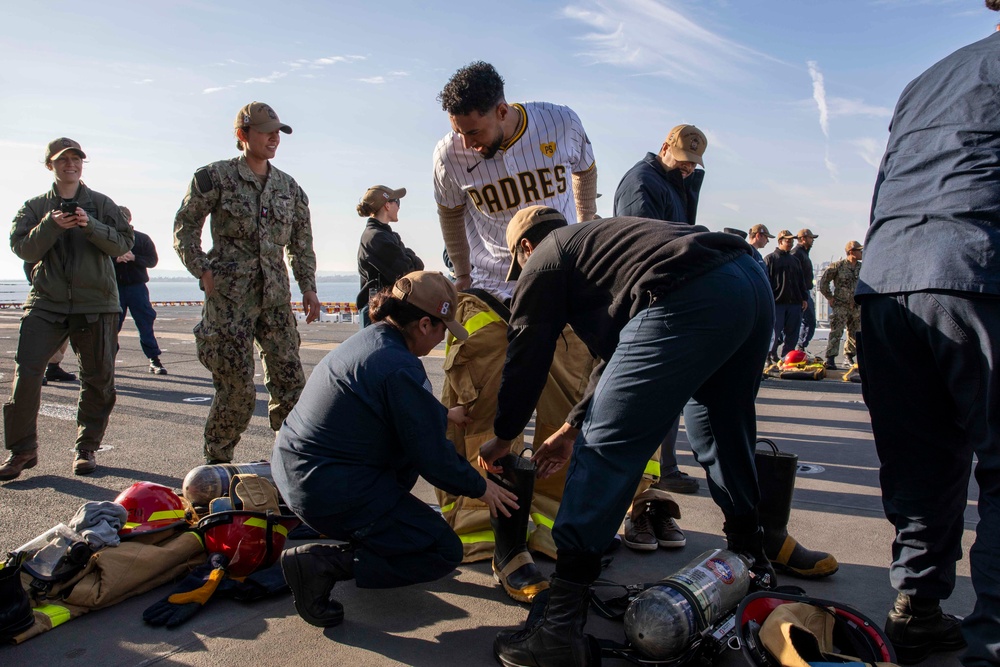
205,483
662,621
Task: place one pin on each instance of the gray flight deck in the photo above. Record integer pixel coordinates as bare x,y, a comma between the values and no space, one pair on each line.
155,434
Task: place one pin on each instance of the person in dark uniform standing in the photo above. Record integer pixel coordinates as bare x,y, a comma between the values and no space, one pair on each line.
689,318
801,250
376,383
789,288
383,258
133,295
929,349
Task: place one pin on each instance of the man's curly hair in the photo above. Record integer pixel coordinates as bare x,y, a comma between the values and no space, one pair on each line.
475,87
993,4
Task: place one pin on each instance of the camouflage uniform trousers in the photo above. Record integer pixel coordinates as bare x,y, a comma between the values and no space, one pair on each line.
226,337
841,318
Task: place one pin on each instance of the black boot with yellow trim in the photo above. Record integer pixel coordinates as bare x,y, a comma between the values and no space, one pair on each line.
513,566
776,477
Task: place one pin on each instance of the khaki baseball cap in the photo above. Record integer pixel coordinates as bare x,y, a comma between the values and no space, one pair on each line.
260,117
853,245
522,221
434,294
761,229
687,144
785,234
377,195
59,146
805,232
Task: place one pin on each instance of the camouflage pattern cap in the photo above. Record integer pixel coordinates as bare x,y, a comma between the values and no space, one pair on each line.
260,117
687,144
59,146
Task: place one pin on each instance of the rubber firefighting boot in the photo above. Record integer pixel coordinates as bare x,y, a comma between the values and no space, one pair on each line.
917,627
311,571
557,639
513,567
776,477
745,537
15,610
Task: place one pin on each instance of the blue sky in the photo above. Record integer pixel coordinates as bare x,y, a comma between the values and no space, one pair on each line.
794,95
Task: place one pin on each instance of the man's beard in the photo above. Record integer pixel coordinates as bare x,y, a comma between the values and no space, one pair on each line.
494,147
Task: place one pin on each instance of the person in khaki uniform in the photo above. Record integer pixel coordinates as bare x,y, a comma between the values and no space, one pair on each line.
69,235
844,313
258,214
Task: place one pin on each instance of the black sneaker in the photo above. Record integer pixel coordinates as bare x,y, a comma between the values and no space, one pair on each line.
678,482
668,533
917,627
155,367
53,373
639,530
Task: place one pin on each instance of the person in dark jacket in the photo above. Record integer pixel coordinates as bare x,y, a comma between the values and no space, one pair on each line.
70,235
929,349
801,250
349,453
788,285
664,187
674,312
382,257
133,295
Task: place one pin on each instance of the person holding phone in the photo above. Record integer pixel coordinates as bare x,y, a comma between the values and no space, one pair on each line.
70,234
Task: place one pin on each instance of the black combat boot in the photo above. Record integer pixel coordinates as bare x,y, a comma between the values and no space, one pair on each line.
831,363
15,610
513,566
311,570
776,477
745,537
917,627
555,639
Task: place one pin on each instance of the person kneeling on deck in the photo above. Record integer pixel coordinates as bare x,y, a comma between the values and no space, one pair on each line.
349,453
674,312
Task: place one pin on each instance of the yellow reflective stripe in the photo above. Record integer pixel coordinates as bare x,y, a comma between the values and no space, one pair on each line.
57,615
131,525
542,520
477,322
449,507
653,468
165,514
262,523
475,538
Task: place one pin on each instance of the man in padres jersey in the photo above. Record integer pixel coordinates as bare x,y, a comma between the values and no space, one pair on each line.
498,159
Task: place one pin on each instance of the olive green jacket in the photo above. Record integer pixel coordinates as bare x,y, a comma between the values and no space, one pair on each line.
74,270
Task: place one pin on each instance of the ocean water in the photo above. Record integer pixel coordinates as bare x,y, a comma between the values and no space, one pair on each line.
187,290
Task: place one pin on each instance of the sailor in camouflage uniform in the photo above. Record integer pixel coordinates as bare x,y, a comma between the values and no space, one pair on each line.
257,214
844,313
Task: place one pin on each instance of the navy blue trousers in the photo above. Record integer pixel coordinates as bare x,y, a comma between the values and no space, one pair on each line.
410,544
707,342
135,299
808,327
930,372
787,319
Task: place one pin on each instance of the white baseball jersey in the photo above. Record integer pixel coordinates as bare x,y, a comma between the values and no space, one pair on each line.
535,169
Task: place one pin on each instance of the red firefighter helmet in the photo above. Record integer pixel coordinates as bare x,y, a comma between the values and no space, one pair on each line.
795,357
249,540
854,634
151,508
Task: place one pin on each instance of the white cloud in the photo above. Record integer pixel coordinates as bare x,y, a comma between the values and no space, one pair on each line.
870,150
142,82
270,78
292,66
373,80
632,34
209,91
839,106
819,95
731,207
399,74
